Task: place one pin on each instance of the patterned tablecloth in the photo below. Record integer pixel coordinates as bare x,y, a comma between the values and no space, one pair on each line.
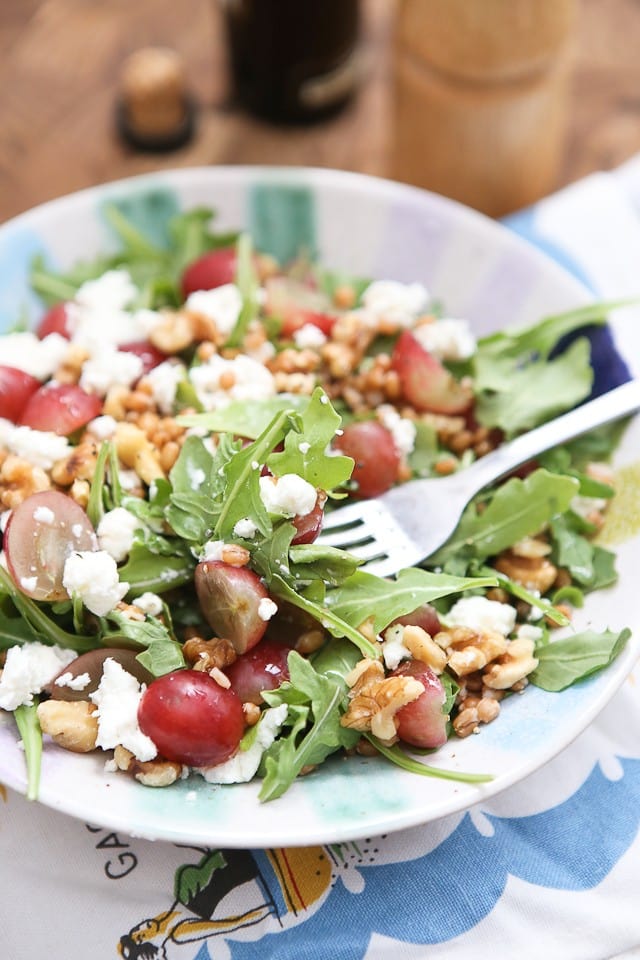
550,868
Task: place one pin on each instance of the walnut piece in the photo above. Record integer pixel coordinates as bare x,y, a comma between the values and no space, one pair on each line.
375,699
71,724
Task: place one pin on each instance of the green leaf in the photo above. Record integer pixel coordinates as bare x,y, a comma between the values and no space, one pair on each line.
315,732
305,453
531,394
245,418
426,450
195,487
517,509
39,623
398,757
313,560
327,618
365,596
242,481
247,283
335,660
26,718
572,550
155,572
571,659
161,654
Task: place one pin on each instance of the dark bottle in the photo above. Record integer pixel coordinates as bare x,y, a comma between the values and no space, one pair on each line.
293,60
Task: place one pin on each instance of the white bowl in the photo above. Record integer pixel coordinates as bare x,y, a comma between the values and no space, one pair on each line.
373,228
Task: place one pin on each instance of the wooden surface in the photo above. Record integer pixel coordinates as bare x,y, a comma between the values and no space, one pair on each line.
60,61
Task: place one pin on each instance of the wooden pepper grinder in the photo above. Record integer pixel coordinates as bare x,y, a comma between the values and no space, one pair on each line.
155,111
480,98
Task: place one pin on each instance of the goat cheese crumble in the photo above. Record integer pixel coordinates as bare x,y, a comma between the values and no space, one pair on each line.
92,575
28,669
117,699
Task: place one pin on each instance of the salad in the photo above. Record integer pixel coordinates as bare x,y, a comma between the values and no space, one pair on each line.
171,436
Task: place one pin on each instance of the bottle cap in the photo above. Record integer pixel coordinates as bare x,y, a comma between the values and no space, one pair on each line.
154,110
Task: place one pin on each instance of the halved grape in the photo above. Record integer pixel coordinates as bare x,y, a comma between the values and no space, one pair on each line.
41,533
92,663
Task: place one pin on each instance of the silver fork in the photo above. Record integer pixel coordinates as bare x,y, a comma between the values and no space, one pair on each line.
408,523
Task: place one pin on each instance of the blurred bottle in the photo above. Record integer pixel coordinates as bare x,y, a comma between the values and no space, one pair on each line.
480,90
293,60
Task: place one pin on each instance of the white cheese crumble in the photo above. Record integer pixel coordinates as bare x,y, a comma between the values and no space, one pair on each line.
38,358
92,575
218,381
116,532
117,699
243,765
245,528
77,682
149,603
395,302
44,515
129,480
309,335
164,380
267,608
222,305
102,427
28,669
288,495
478,613
446,339
393,649
113,290
402,429
110,368
41,448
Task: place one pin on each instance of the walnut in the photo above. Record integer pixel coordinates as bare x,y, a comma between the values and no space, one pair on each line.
18,480
470,650
375,699
174,334
79,465
151,773
513,666
533,573
71,724
422,647
206,654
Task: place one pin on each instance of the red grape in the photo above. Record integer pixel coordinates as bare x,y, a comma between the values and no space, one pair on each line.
60,408
262,668
55,320
377,460
191,718
16,387
211,270
425,383
41,533
229,599
422,723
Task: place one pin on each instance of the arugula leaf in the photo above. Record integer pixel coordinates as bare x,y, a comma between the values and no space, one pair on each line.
397,756
517,509
426,450
196,485
145,571
14,629
571,659
95,506
367,597
39,623
336,660
327,618
541,389
314,720
162,652
305,453
26,718
247,283
313,560
245,418
242,475
191,237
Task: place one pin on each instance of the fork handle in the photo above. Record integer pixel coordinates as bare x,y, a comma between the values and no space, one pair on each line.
610,406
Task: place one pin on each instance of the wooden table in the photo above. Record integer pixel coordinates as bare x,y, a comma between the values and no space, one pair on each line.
60,62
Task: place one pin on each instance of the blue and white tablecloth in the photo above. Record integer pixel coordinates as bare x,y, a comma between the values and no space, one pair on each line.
551,868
